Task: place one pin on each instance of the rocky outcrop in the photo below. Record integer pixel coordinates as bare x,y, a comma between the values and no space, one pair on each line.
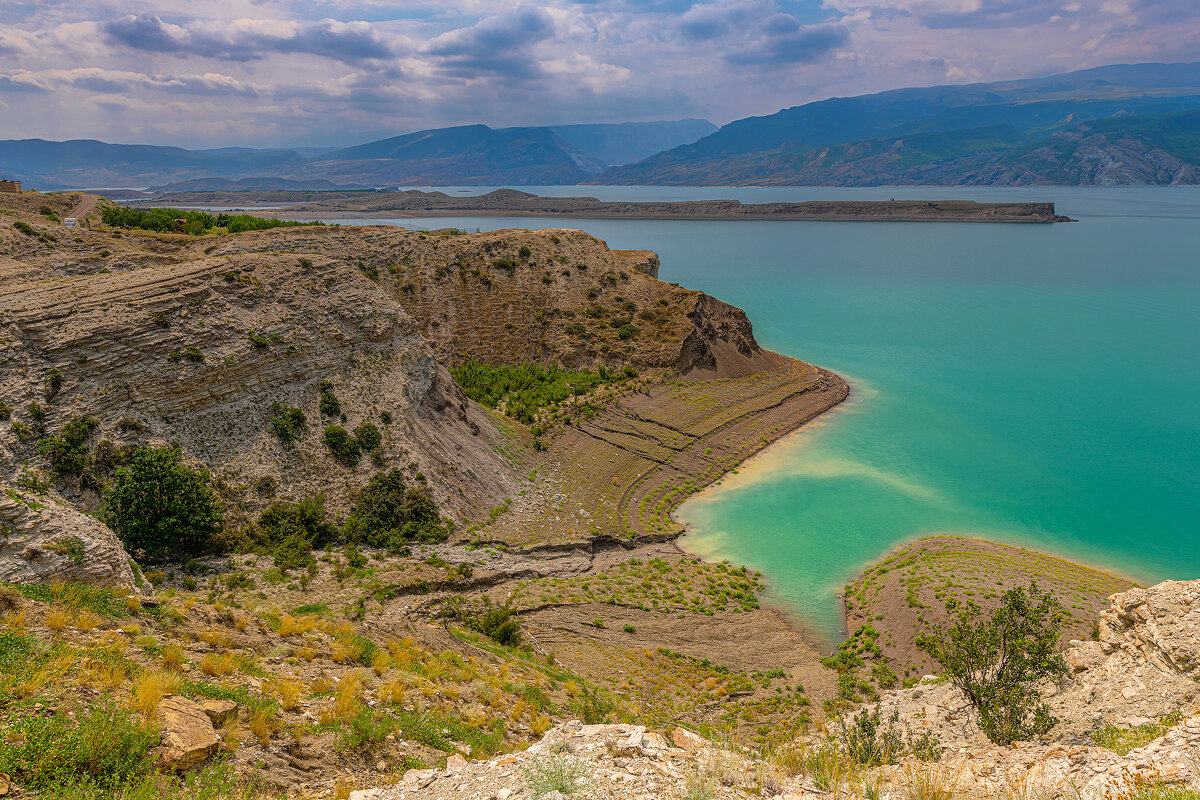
188,737
43,542
197,353
607,762
1142,669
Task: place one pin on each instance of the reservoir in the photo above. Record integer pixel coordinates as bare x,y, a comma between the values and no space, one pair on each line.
1032,384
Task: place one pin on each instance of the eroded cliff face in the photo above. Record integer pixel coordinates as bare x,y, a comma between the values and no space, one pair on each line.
554,296
197,354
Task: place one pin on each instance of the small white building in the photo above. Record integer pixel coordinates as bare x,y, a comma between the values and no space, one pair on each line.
71,222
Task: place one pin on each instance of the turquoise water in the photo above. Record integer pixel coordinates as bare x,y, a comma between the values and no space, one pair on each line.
1030,384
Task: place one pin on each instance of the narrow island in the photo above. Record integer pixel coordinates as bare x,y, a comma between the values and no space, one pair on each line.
511,202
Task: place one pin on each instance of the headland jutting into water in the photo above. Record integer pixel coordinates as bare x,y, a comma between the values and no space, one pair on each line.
510,202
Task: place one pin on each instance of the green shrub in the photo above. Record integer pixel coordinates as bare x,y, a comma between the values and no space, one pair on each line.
67,450
287,422
344,447
193,353
593,706
106,748
389,514
368,436
524,252
329,405
53,380
160,506
294,530
556,772
997,661
627,331
524,389
5,411
499,625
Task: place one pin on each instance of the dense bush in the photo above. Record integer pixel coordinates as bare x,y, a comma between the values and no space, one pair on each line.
368,436
293,530
195,222
160,506
344,447
525,389
389,514
287,422
67,450
499,625
998,660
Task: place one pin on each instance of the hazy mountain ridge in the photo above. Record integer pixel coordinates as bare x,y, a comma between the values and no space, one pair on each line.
466,154
971,134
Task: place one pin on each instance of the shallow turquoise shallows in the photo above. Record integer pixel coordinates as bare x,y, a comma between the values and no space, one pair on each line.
1038,385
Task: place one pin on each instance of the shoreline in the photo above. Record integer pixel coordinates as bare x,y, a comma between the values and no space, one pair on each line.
514,203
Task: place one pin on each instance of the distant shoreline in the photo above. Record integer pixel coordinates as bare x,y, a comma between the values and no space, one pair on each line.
513,203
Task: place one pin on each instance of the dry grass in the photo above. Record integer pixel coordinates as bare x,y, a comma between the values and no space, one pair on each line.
380,662
215,638
87,621
57,618
347,700
321,685
288,691
150,688
172,657
100,675
931,782
14,620
263,725
295,626
218,666
341,652
393,692
307,651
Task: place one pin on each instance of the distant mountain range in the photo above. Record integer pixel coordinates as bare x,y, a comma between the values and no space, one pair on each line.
471,154
1116,125
1125,124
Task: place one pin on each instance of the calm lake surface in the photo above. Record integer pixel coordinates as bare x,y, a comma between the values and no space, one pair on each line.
1037,385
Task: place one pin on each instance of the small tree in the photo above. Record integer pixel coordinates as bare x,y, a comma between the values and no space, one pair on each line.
389,514
998,660
160,506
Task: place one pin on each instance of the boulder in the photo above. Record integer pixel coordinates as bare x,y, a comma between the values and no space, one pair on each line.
188,737
685,739
220,712
42,541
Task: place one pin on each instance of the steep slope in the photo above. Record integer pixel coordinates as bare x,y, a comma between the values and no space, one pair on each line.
192,349
627,142
464,155
552,296
810,144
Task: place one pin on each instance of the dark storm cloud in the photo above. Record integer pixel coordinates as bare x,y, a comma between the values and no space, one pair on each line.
346,42
497,45
801,47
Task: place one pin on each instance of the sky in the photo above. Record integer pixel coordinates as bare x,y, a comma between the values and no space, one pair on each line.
215,73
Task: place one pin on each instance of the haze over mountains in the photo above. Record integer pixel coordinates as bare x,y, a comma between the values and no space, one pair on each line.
1123,124
1116,125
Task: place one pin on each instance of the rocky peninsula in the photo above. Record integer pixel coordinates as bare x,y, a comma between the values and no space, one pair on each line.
511,202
